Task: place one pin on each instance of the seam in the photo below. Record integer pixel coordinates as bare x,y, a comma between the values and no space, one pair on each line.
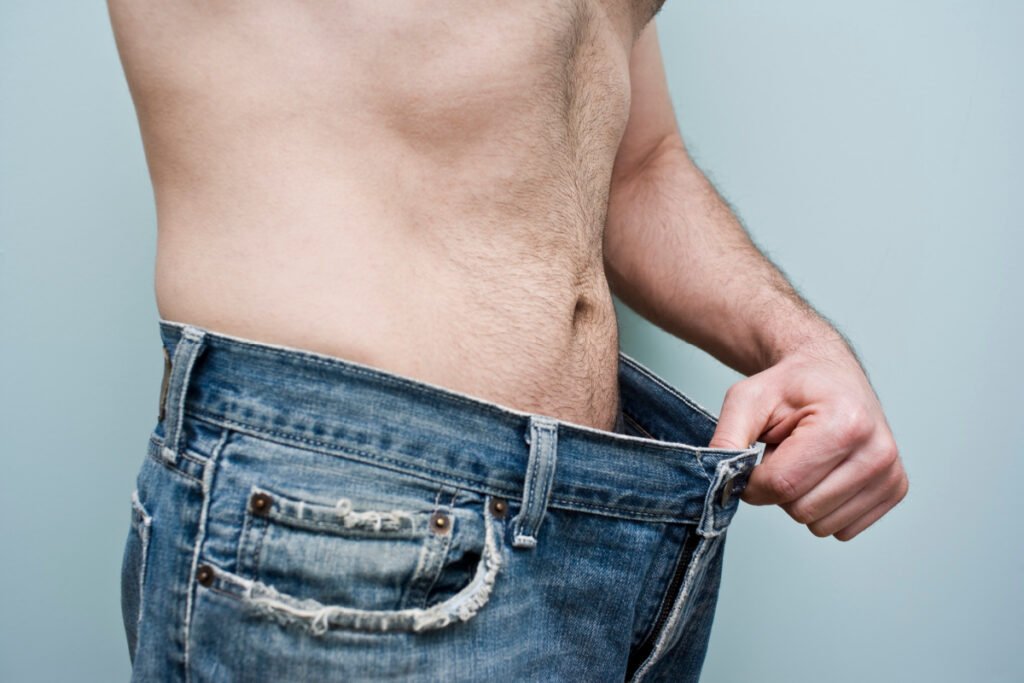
435,476
530,500
443,560
261,532
209,472
682,598
243,542
142,528
377,460
319,617
629,418
420,386
673,447
287,511
424,557
190,455
356,368
182,389
174,470
667,387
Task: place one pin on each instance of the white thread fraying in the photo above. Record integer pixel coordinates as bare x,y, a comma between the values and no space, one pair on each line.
462,606
370,518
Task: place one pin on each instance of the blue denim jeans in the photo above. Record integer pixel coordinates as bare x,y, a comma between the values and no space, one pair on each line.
299,516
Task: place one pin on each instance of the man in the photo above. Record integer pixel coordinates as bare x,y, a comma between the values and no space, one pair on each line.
449,193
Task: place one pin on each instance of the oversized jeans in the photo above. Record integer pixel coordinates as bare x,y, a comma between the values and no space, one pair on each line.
301,517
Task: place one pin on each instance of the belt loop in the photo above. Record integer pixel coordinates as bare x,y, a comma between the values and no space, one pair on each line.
540,473
186,351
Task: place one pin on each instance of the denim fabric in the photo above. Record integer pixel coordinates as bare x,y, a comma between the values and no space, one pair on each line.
299,516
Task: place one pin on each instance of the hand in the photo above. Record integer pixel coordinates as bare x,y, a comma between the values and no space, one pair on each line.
831,461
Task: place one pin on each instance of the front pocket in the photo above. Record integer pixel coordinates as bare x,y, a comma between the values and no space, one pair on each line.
351,564
133,571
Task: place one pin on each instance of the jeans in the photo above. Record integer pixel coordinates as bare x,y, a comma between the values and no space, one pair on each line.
298,516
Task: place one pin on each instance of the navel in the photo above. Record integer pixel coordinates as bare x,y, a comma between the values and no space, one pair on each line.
581,311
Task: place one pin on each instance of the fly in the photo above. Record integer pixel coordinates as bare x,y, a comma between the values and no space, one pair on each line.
682,564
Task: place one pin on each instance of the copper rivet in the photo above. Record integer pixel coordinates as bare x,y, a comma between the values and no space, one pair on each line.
498,506
440,521
204,574
260,503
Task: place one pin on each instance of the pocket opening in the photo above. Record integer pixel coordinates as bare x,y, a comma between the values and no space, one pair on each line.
133,572
319,616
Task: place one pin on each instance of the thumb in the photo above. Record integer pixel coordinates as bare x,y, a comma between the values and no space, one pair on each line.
744,417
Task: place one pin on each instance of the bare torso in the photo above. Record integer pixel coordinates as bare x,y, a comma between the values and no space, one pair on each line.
417,186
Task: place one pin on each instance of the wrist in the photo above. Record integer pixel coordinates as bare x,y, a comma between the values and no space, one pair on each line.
816,338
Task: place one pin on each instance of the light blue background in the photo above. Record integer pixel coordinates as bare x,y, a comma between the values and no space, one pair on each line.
872,149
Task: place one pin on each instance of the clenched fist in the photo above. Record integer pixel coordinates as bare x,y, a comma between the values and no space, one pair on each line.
831,461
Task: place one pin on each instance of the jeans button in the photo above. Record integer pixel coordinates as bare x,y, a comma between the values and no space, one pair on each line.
730,487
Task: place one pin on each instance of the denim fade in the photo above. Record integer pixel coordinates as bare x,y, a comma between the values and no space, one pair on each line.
299,516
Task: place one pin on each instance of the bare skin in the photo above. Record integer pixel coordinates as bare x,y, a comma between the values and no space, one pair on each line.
419,187
451,191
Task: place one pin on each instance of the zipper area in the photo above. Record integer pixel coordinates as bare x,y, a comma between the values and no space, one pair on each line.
643,651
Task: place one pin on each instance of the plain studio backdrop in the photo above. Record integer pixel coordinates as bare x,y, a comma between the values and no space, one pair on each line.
873,150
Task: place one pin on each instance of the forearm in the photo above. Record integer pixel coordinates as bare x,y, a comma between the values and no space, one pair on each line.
676,254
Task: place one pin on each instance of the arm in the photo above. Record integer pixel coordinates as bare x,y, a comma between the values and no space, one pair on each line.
676,254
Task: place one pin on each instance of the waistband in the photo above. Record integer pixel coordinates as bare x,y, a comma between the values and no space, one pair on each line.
331,404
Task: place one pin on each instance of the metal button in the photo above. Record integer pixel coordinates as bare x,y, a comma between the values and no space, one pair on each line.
204,574
440,523
498,507
731,487
260,503
734,484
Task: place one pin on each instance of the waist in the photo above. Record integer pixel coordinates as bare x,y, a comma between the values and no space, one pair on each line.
535,332
658,469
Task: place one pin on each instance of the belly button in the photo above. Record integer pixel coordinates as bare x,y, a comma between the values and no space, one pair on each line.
580,310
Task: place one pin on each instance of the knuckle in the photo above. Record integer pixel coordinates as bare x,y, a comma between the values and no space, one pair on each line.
890,452
803,513
880,466
747,390
739,391
853,424
780,487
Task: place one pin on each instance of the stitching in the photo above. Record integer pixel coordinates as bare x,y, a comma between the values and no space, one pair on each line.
539,503
437,391
377,459
243,541
142,524
178,416
381,460
219,419
675,392
639,427
697,564
530,502
359,369
287,508
209,472
319,617
190,455
443,560
160,461
664,580
296,522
